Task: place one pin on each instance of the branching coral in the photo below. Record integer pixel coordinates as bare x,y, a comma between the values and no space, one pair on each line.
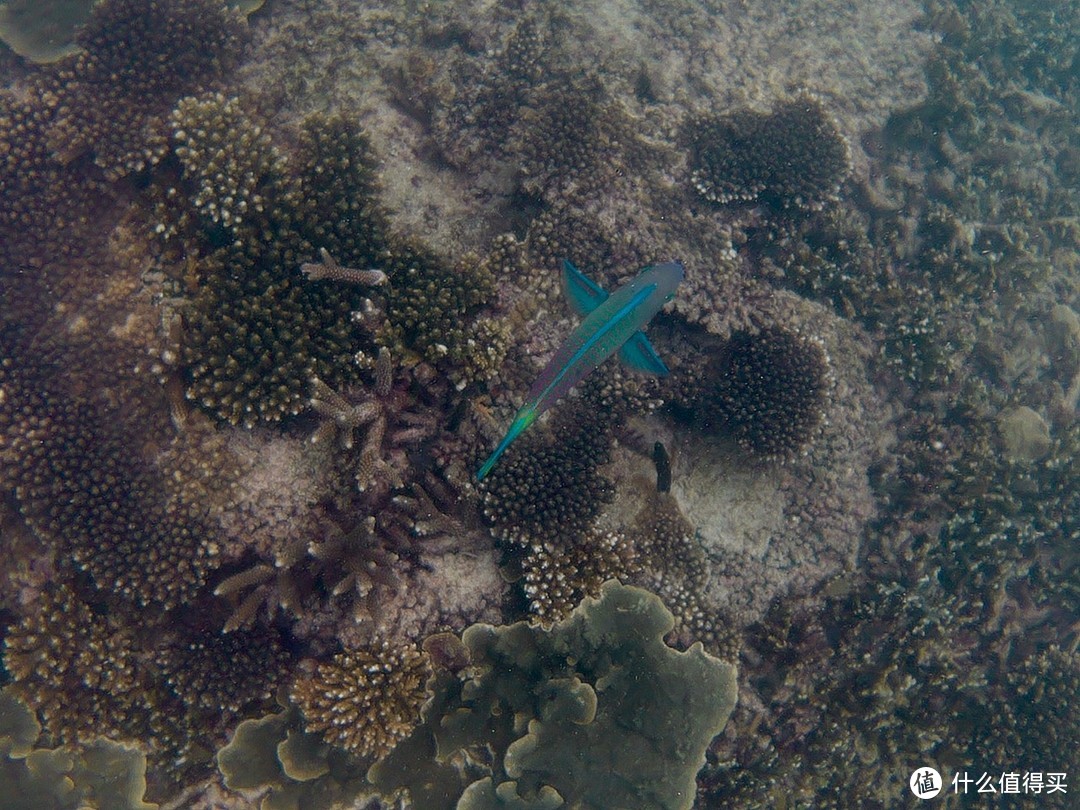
257,331
80,669
399,414
81,486
792,157
364,701
673,564
43,203
137,59
548,488
91,672
558,574
571,140
212,680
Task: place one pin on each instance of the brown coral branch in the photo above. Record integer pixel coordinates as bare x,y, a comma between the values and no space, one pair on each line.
328,268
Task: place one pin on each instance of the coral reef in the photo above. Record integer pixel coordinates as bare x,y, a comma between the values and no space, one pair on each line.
765,391
79,485
246,372
547,486
558,573
564,712
79,669
364,701
793,157
255,333
136,60
99,775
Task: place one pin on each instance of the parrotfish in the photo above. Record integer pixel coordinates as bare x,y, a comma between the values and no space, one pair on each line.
612,323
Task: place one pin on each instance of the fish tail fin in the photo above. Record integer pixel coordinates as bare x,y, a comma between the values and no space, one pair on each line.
526,416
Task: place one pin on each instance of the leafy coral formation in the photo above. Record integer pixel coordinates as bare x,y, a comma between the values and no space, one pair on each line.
597,711
99,775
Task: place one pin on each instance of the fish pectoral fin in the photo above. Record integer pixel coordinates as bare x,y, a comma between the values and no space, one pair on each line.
582,292
637,353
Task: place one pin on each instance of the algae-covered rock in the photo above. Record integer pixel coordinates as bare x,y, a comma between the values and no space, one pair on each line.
595,713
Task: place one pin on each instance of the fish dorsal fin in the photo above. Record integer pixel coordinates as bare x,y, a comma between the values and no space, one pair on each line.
637,353
582,292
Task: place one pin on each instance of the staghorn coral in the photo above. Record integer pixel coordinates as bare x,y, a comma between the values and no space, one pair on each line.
595,711
399,414
794,157
364,701
766,391
355,566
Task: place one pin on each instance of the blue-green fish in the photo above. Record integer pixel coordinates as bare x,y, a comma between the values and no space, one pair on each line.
612,324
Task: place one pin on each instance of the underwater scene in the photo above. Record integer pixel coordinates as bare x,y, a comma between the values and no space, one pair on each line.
599,405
